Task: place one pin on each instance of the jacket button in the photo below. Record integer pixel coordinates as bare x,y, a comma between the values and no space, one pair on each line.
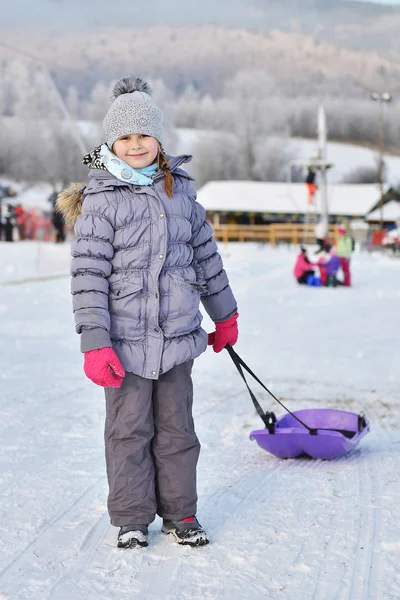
161,256
162,215
156,329
138,188
101,183
153,373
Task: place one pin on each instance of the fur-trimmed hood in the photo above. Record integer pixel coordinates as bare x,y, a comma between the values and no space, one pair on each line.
69,202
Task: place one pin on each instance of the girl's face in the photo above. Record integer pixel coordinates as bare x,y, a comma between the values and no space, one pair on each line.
136,149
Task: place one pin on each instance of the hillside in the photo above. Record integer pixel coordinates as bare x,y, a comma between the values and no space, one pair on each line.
207,55
356,25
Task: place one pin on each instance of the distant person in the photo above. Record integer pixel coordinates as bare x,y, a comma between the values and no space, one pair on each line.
6,214
8,222
57,219
143,258
344,249
329,267
303,268
20,218
59,225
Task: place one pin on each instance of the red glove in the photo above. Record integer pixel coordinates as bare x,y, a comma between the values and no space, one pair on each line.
226,332
102,366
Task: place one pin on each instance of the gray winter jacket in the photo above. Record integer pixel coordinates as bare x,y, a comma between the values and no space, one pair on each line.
141,264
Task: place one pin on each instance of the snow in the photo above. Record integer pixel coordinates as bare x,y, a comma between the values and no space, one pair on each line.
346,158
288,529
266,197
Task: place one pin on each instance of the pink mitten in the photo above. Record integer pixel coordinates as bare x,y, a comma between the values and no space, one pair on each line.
226,332
102,366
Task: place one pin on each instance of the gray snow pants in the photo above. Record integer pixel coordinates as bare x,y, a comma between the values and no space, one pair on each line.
151,448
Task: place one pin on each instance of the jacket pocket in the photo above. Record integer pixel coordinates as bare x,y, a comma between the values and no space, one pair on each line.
127,307
183,309
193,286
126,287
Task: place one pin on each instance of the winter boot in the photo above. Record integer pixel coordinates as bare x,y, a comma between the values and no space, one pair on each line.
187,532
131,536
332,281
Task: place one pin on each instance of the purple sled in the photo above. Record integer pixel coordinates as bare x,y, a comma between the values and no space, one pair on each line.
290,439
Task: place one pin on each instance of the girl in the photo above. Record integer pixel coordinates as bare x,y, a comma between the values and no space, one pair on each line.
329,266
143,257
344,250
303,267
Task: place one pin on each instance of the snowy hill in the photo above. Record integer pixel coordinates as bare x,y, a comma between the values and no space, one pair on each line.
345,157
297,61
342,23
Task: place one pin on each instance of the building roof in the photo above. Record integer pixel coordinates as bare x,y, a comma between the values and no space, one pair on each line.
287,198
391,212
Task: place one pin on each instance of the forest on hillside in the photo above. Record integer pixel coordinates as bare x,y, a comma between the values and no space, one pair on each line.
255,91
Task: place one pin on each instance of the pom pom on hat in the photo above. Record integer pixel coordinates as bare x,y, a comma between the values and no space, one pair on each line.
128,85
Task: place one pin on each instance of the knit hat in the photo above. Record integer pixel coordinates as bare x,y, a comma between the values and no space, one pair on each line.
132,111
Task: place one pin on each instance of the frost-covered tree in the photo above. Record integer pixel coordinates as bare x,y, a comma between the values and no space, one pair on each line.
97,105
217,157
72,102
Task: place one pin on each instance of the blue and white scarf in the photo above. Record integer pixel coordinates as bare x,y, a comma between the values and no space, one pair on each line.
124,172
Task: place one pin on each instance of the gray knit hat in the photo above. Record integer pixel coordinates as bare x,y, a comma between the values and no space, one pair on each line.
133,111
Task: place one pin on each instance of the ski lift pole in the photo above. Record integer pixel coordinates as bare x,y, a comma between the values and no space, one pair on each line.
322,157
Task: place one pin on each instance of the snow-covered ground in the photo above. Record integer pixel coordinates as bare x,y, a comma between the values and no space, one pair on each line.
285,529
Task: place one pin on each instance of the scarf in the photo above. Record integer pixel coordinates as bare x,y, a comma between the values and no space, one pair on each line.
103,158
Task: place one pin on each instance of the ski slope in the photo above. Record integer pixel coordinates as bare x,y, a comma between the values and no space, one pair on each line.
285,529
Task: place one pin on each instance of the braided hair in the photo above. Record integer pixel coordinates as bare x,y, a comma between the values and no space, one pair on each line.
168,178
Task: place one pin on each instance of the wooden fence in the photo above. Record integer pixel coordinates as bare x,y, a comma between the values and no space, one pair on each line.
292,233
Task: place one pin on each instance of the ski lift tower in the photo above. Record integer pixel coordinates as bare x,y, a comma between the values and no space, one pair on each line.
319,164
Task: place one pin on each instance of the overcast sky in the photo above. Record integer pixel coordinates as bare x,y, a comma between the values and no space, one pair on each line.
66,16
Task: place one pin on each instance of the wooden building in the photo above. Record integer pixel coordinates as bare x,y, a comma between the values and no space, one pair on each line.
263,203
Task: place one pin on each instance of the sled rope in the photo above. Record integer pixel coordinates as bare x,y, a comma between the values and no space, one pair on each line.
268,418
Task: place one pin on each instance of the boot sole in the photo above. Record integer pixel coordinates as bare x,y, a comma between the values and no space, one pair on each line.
200,541
133,544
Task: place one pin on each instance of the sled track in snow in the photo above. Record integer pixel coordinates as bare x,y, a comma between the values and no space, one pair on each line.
9,577
365,579
362,583
89,547
52,404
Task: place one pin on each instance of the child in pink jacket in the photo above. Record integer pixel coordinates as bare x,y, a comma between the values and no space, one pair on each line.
303,267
